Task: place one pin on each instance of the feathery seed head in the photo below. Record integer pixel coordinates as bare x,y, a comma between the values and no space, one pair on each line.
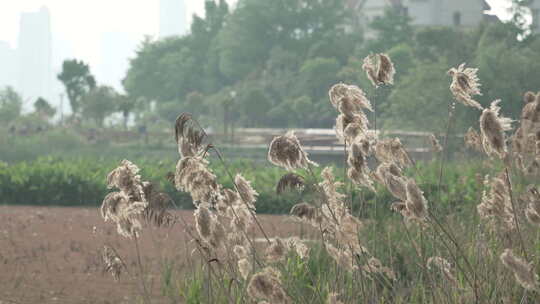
267,285
244,267
204,220
529,97
276,251
416,202
348,98
246,192
112,262
290,181
379,69
126,178
492,127
465,84
285,151
444,267
359,126
524,273
193,176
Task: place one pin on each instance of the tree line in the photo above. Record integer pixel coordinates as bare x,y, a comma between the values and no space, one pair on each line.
270,64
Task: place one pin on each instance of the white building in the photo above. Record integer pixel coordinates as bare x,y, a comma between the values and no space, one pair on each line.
35,55
172,18
462,13
535,12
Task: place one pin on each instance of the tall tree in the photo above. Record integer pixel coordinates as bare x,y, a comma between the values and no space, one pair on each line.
43,108
99,103
125,104
77,80
10,105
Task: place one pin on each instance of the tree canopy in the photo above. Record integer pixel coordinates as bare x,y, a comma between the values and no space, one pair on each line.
281,57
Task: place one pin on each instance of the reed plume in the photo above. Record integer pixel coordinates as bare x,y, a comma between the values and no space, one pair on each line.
290,181
532,198
193,176
126,178
188,136
359,171
465,84
492,127
473,140
285,151
496,205
524,273
112,262
124,207
379,69
444,267
392,151
266,285
416,203
157,212
374,266
246,191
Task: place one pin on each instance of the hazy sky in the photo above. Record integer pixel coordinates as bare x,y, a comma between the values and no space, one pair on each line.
78,25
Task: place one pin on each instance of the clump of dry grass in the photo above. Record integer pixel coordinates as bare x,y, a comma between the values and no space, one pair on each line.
224,218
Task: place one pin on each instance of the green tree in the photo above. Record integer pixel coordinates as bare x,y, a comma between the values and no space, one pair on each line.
125,105
10,105
317,75
99,103
392,29
77,81
257,26
43,108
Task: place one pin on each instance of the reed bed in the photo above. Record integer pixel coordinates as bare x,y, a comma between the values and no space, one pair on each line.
486,254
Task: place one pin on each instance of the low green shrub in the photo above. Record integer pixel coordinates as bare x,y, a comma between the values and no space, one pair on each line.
82,182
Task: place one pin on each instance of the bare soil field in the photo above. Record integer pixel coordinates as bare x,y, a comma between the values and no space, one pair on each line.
53,255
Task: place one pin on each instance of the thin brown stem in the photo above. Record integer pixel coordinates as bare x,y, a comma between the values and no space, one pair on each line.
146,296
514,211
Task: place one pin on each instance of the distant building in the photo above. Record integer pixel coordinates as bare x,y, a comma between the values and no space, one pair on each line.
35,55
535,11
116,50
8,64
172,18
460,13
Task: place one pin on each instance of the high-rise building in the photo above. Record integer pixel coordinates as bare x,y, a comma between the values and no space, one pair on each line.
8,64
35,55
172,18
